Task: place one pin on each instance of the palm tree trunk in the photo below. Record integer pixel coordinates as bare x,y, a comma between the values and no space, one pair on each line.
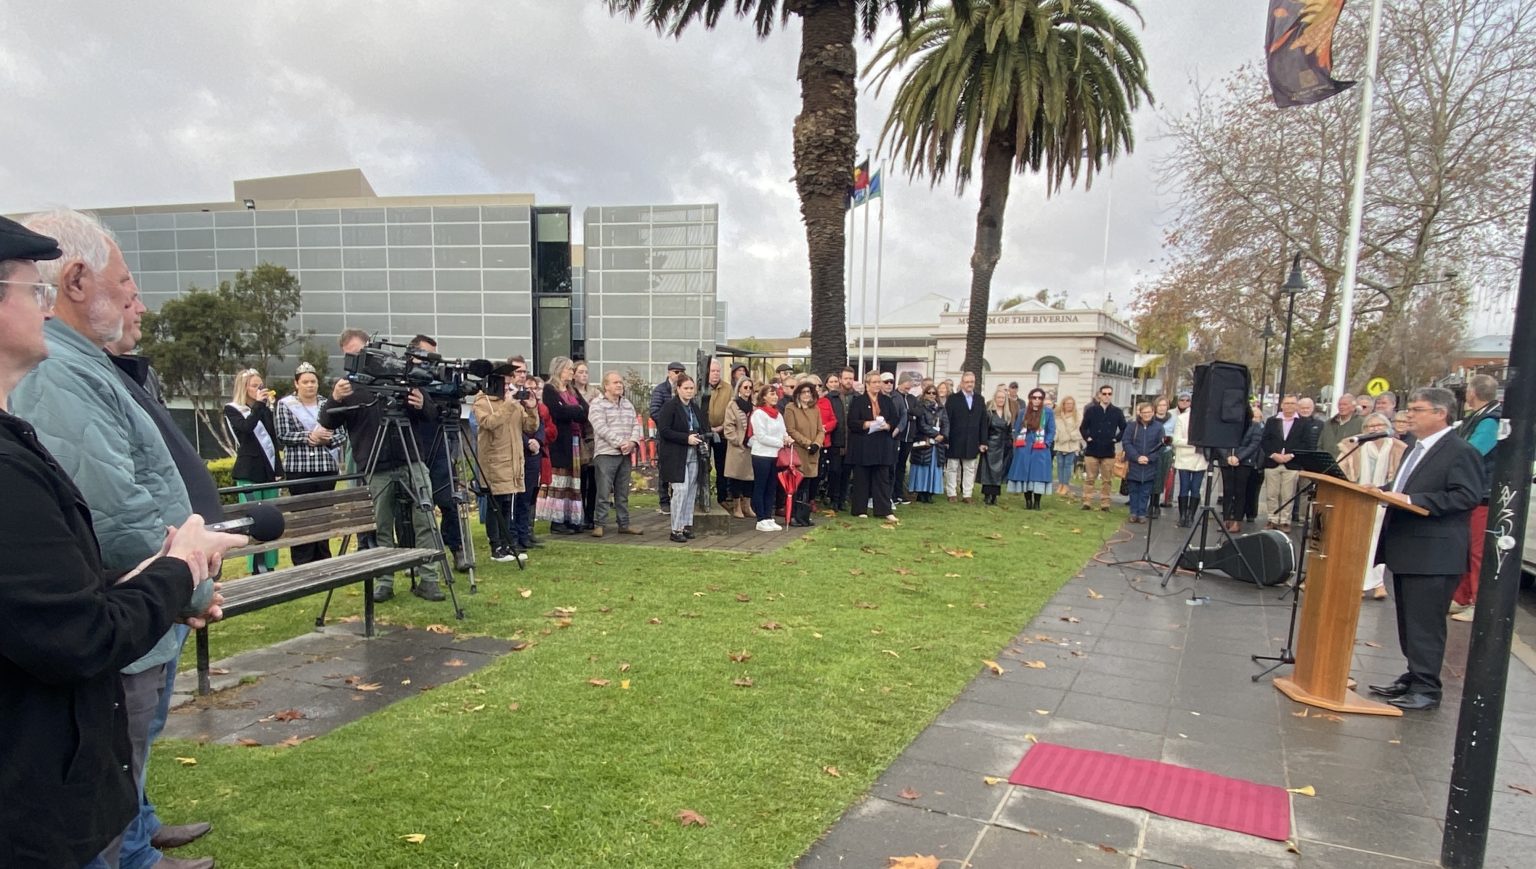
996,173
826,131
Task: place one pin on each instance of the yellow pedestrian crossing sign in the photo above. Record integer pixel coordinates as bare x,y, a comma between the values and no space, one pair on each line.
1377,386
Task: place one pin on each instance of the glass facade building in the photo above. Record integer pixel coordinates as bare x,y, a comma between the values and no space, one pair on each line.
649,286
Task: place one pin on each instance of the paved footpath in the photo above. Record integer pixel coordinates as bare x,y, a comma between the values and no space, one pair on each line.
1150,676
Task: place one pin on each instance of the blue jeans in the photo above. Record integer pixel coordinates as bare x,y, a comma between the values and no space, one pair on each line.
137,853
523,505
1141,495
1065,462
764,487
1189,483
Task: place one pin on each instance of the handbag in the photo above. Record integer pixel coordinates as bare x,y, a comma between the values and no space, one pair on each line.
1122,467
786,458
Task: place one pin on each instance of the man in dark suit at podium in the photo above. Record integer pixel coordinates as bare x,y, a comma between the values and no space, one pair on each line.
1427,554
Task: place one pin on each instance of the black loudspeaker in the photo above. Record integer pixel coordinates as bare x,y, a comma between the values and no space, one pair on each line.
1220,405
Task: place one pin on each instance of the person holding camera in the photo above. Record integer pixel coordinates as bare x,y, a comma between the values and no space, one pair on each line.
802,418
433,447
505,417
249,421
361,409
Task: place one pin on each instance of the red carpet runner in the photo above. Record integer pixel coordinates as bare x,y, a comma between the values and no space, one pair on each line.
1172,791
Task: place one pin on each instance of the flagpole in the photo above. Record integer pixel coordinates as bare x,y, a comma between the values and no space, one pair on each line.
864,278
879,256
853,225
1109,204
1356,209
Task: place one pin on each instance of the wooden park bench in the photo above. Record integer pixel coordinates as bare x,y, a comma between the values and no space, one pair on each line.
343,513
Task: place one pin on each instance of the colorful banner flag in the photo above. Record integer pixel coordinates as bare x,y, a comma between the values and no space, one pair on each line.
869,191
1299,46
860,183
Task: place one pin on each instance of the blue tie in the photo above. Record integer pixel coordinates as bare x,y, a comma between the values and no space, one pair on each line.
1408,464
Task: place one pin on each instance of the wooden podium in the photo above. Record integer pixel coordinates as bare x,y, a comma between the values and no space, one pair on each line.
1330,607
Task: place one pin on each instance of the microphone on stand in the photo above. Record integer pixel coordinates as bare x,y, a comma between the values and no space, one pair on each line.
1373,436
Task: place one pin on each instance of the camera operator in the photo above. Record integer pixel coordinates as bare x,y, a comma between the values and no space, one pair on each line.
361,409
506,416
428,432
74,608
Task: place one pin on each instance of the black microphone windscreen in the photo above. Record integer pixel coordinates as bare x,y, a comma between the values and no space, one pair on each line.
266,522
480,367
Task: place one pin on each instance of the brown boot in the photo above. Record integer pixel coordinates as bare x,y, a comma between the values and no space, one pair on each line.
736,508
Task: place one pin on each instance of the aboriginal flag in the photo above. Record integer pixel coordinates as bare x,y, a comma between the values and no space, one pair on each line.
1299,46
858,187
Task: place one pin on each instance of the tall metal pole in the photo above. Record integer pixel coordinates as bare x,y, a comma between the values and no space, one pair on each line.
864,278
849,309
1285,352
1269,332
1356,207
1493,621
879,255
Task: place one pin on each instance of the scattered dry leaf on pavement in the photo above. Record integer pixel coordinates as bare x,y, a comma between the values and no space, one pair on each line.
915,861
908,794
1522,789
454,662
990,780
1071,620
690,818
288,715
1307,791
1093,595
1035,665
1031,738
247,742
995,667
368,686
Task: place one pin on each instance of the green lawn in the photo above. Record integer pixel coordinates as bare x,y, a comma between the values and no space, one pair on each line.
876,631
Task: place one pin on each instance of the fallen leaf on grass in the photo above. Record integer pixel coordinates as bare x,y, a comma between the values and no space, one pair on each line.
654,622
513,707
951,576
832,771
1035,665
562,623
865,605
995,667
915,861
454,662
744,598
439,629
1093,595
740,657
902,571
624,685
415,838
830,514
247,742
699,594
187,761
770,626
1307,791
908,794
598,683
994,536
690,818
474,708
854,571
891,652
368,686
742,682
990,780
960,553
525,592
605,609
560,612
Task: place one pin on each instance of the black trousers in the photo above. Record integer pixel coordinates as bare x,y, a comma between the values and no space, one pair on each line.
1422,600
1234,491
588,492
871,481
722,484
304,553
1251,502
899,483
834,476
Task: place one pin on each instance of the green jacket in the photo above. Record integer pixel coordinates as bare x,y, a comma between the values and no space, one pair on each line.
110,447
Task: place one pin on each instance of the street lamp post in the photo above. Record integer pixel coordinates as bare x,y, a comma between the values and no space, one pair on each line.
1269,332
1294,286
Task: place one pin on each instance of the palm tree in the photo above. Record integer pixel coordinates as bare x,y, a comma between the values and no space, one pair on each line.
1037,85
825,130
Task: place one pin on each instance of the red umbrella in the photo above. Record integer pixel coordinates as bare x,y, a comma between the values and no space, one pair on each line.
790,478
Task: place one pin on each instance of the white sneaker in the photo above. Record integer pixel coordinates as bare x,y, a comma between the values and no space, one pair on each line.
522,557
1465,615
766,525
774,526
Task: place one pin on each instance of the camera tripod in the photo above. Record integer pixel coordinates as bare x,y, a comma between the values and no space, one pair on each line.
453,436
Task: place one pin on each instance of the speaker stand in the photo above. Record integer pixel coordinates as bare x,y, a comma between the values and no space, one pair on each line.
1201,526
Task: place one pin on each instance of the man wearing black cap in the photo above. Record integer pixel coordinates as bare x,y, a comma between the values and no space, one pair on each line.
661,394
67,622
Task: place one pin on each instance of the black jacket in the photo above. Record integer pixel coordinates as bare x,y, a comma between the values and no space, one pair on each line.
201,490
1248,451
839,434
1101,429
365,424
865,447
967,425
1276,441
673,452
66,788
564,415
251,462
1448,482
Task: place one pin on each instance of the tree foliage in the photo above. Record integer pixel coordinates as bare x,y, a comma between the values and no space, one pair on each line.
199,340
1454,127
1042,86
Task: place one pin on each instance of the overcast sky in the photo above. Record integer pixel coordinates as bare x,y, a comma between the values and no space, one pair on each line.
111,104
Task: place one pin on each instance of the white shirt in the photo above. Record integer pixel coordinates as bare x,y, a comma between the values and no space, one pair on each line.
1423,446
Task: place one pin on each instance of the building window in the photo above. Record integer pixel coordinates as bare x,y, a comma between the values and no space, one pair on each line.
1048,371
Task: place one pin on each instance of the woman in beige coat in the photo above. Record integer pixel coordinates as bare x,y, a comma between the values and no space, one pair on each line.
1069,442
802,417
504,424
738,457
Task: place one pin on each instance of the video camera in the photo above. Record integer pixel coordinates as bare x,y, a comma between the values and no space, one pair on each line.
399,371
